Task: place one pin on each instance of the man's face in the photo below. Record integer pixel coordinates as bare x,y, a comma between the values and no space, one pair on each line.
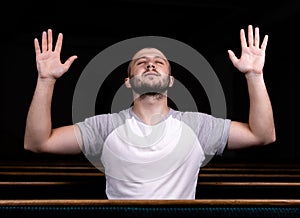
149,72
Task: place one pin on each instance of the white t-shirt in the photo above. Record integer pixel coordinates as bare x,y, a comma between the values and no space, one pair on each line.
159,161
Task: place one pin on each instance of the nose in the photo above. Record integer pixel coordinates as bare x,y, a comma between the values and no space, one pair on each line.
150,65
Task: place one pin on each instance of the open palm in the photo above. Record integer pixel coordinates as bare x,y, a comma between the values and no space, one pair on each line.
48,60
253,55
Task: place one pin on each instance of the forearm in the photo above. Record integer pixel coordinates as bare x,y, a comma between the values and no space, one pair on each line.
38,124
261,121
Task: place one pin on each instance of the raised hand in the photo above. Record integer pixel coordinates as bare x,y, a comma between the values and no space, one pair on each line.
48,60
253,55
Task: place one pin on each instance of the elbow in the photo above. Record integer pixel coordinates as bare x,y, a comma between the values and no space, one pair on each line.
269,138
33,147
29,147
272,138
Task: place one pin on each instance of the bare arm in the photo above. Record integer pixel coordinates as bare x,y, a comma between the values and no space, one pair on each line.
260,129
39,135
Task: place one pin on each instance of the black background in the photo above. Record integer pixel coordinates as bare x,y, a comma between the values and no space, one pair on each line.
210,27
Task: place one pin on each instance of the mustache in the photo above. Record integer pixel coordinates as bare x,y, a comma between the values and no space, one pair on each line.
148,71
154,71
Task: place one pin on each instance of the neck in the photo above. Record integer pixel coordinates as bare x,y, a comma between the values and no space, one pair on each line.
151,109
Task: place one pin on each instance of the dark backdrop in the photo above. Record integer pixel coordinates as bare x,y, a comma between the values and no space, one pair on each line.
211,27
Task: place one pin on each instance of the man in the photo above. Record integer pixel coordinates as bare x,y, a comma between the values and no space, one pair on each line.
150,151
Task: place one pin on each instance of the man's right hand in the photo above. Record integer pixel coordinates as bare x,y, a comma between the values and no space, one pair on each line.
48,60
39,134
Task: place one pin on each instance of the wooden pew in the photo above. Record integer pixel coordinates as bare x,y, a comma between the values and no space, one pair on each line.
78,190
224,208
83,181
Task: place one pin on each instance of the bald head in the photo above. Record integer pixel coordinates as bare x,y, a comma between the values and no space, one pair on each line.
147,52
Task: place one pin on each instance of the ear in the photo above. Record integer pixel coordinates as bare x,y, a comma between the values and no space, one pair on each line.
127,82
171,81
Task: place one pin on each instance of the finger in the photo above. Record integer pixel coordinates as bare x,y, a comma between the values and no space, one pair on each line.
232,57
250,35
264,43
70,61
37,47
256,37
44,42
59,43
49,39
243,38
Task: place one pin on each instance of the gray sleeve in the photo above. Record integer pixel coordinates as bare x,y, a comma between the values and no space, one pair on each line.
215,134
212,132
95,130
93,133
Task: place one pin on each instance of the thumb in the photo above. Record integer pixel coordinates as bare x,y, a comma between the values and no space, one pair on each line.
232,57
70,61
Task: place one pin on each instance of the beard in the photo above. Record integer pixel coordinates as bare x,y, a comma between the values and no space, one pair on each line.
144,88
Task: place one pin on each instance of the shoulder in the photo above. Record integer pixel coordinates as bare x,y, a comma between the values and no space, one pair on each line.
194,118
187,115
